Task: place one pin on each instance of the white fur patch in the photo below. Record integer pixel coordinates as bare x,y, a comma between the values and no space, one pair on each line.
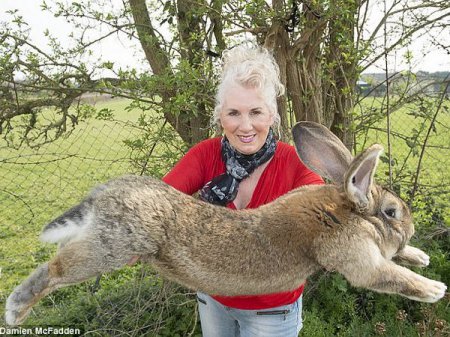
10,318
11,310
67,230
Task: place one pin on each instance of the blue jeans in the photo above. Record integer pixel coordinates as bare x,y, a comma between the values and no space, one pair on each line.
218,320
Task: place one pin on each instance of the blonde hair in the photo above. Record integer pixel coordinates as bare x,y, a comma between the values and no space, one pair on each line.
252,67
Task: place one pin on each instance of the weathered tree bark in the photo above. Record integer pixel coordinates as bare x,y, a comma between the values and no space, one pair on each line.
216,20
277,40
299,61
191,43
342,73
309,105
190,125
300,58
156,56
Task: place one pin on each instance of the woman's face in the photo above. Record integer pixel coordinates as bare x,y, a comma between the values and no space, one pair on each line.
245,119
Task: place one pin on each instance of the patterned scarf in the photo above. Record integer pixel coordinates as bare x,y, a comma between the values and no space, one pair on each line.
224,188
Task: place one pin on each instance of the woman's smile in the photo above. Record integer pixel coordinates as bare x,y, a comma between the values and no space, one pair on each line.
247,139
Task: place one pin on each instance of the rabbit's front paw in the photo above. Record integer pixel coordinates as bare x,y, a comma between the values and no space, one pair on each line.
413,256
422,258
434,292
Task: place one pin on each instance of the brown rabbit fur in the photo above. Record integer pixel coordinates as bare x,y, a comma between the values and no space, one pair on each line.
353,227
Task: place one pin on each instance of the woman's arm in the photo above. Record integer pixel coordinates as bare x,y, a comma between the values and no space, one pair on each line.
190,173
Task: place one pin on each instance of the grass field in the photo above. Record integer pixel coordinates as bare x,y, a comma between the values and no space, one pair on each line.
409,133
37,185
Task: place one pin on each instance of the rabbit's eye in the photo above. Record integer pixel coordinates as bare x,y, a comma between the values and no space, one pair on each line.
390,212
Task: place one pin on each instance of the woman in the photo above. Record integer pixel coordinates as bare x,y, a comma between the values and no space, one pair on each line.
246,168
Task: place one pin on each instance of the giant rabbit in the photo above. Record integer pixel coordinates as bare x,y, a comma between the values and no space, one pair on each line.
353,226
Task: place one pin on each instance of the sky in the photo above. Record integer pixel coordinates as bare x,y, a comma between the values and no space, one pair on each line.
125,53
425,56
120,50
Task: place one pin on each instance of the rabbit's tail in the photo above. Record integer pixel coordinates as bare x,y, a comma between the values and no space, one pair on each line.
69,225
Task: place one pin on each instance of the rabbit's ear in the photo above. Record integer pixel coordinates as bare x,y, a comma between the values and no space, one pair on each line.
321,151
359,178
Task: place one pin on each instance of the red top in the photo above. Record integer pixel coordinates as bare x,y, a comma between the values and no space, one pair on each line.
283,173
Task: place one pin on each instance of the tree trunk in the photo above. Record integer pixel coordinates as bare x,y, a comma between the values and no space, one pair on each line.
342,58
192,126
307,74
157,58
299,63
277,40
191,44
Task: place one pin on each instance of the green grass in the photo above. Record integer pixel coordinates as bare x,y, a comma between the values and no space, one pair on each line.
408,135
404,124
36,185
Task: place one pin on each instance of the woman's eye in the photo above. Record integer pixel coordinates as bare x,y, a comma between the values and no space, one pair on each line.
390,212
256,112
233,113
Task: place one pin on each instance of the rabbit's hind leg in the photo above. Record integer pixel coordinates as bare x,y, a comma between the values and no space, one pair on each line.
26,294
74,263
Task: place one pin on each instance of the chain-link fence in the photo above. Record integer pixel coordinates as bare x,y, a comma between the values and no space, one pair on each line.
417,146
37,181
38,184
